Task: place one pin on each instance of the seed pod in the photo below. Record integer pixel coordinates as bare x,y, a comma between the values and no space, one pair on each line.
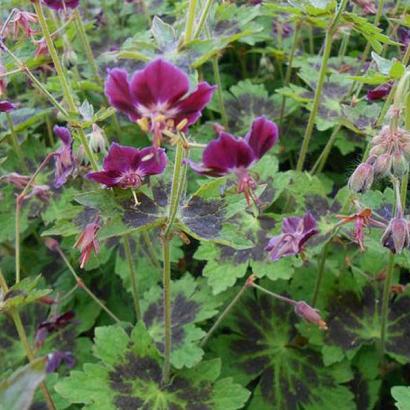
362,178
400,165
382,165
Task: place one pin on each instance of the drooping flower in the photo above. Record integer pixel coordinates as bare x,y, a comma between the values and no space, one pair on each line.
310,314
397,236
18,180
379,92
7,106
127,167
55,359
51,325
64,159
22,20
62,4
228,154
295,233
87,242
157,97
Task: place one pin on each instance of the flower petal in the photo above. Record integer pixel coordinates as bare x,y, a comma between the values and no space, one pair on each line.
262,136
64,134
190,107
7,106
107,178
121,158
152,161
158,82
227,153
118,92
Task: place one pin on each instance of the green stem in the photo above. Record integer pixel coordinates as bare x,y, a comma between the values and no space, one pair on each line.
321,161
86,46
14,143
133,277
202,18
289,67
320,273
219,91
150,249
225,312
190,21
83,286
274,295
385,305
318,92
166,283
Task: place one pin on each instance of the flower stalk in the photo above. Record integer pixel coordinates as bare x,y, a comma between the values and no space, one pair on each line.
190,21
318,92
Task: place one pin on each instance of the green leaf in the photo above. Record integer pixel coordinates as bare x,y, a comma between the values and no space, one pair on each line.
258,347
163,33
16,393
128,375
191,303
402,396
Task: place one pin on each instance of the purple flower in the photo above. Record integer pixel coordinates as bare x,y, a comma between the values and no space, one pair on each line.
228,154
64,159
404,36
62,4
7,106
126,167
295,232
55,359
53,324
157,97
379,92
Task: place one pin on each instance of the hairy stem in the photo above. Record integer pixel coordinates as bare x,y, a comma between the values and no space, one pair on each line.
225,312
219,91
133,277
83,286
202,18
190,21
320,273
274,295
385,305
322,75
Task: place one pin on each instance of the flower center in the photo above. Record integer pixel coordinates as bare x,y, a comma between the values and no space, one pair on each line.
130,179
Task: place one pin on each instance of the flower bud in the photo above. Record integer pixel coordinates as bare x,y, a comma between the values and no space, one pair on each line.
377,150
406,150
51,244
397,236
97,140
400,165
310,314
383,164
362,178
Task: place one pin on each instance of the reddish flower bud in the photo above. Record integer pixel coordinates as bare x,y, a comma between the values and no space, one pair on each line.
397,236
310,314
87,242
382,165
400,165
51,244
362,178
377,150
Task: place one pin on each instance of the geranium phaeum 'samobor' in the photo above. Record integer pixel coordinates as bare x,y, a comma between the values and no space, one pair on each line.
295,232
157,97
64,159
62,4
126,167
228,154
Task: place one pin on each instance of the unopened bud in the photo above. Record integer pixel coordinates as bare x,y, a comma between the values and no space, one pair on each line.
377,150
397,236
406,150
362,178
383,164
400,165
97,139
51,244
310,314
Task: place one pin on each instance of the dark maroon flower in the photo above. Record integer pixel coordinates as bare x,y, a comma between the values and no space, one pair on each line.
228,154
64,159
310,314
295,232
55,359
379,92
157,97
126,167
62,4
54,324
87,242
7,106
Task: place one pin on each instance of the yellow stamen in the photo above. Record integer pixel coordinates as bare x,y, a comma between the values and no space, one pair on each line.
134,194
144,124
182,124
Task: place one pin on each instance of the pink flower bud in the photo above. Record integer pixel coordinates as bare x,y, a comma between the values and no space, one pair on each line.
400,165
310,314
362,178
397,236
51,244
383,164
